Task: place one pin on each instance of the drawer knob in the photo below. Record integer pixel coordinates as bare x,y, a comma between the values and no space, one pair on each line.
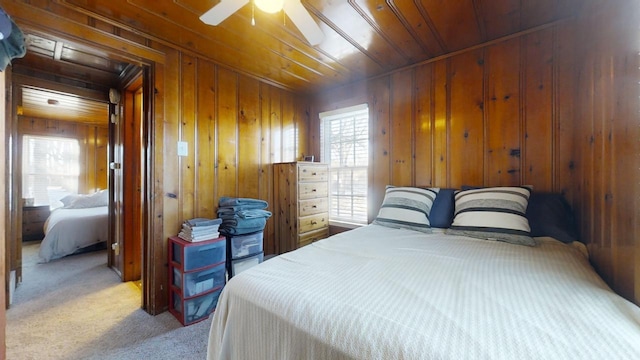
313,190
314,174
313,222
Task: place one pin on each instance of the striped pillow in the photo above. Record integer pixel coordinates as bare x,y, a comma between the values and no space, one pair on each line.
406,208
496,213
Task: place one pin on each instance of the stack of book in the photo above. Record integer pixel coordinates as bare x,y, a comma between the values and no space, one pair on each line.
200,229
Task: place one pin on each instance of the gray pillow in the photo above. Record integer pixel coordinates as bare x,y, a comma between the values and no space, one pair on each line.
406,208
496,213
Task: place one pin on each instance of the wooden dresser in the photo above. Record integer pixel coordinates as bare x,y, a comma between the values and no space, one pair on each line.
33,218
301,204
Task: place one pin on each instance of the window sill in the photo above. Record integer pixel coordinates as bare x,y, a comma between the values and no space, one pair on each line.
344,224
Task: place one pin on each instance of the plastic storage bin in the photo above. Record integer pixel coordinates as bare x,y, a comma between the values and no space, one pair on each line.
244,245
239,265
198,282
195,255
192,310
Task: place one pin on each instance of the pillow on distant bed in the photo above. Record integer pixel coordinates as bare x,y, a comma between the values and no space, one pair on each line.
100,198
496,213
67,200
441,215
549,214
406,208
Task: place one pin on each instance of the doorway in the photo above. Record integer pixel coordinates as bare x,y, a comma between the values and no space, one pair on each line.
126,258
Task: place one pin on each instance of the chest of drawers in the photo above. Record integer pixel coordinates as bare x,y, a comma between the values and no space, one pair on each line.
301,204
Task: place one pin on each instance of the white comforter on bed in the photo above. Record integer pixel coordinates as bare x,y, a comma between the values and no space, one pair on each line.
69,230
381,293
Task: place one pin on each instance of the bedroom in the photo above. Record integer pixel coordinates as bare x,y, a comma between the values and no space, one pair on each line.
595,174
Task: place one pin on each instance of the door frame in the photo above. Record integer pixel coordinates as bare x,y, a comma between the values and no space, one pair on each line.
149,283
152,56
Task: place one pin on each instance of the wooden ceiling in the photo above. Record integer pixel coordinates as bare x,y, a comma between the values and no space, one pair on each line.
363,38
48,104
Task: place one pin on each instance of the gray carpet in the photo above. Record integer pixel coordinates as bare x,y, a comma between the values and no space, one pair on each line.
77,308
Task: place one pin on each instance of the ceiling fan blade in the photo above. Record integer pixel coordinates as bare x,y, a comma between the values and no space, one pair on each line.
303,21
221,11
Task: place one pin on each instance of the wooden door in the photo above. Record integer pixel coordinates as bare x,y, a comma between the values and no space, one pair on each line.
126,183
132,182
114,242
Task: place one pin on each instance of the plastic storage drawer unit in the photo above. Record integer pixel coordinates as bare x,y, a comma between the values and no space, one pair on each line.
239,265
198,282
192,310
244,245
195,255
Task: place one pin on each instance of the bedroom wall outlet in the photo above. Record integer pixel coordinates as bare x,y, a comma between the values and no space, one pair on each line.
183,149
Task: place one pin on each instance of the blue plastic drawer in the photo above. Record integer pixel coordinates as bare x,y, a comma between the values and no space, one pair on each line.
244,245
240,265
194,256
198,282
195,309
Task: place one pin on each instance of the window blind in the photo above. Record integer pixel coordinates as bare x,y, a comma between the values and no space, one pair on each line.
50,168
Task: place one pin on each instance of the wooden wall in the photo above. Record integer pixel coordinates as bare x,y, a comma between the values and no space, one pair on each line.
545,108
93,140
486,116
4,222
605,174
236,127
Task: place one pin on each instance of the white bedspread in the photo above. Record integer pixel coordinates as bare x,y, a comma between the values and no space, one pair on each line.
69,230
380,293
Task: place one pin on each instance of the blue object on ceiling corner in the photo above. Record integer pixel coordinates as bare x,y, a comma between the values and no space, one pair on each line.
12,45
5,25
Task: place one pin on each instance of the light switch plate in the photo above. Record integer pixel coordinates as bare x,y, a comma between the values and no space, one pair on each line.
183,149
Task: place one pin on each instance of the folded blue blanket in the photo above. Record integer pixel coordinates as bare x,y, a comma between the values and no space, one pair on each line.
244,214
226,201
239,226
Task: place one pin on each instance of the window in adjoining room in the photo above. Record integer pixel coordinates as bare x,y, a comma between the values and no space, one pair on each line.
50,168
344,135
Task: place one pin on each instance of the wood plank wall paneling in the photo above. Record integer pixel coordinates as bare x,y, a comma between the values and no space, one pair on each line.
206,139
93,142
4,213
503,120
606,146
235,127
423,121
402,130
538,114
546,109
466,122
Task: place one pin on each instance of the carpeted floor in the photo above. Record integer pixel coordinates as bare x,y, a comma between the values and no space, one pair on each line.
77,308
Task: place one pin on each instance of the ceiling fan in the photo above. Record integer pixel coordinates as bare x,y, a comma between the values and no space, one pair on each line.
293,8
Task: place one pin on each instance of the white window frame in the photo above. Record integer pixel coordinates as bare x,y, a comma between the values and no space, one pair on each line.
352,113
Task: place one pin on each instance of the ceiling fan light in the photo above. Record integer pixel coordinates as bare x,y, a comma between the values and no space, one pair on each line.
269,6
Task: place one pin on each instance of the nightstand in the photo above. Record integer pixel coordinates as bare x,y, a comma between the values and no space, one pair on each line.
33,219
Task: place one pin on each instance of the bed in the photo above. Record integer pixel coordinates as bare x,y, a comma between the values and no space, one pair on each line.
383,292
82,224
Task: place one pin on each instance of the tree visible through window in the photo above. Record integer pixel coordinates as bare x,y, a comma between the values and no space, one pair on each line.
50,168
345,147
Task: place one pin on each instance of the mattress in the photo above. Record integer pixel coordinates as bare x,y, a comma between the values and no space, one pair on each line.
70,230
381,293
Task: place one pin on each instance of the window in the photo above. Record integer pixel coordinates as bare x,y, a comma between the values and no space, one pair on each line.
344,135
50,168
